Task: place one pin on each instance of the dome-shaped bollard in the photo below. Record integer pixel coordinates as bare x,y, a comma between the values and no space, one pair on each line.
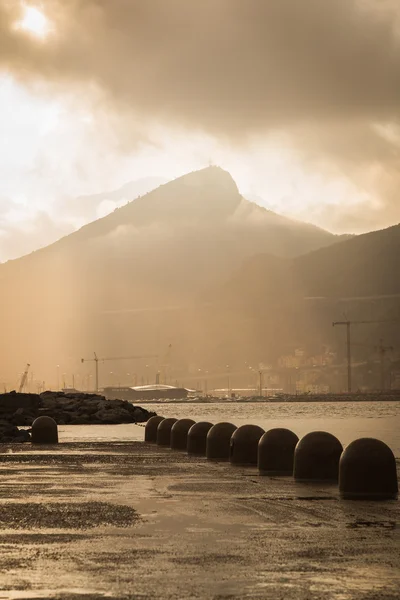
44,431
164,432
197,438
276,452
150,432
316,457
218,441
367,471
179,434
244,445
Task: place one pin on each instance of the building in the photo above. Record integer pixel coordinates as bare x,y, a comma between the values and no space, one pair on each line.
312,388
147,392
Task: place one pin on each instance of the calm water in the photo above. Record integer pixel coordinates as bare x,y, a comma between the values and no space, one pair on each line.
346,420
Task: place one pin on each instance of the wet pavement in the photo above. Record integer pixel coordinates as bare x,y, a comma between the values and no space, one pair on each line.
131,520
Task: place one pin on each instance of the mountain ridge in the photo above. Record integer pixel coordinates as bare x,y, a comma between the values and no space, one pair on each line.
152,208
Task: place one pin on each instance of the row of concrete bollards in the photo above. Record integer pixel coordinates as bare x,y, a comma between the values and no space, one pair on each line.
366,469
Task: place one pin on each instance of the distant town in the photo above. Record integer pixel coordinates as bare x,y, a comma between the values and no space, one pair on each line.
296,373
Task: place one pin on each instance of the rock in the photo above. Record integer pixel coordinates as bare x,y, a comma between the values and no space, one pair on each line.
11,434
81,420
23,436
108,417
142,415
90,409
12,401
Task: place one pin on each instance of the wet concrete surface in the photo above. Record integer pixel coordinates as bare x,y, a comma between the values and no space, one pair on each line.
131,520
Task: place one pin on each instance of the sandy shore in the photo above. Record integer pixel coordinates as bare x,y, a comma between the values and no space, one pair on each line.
130,520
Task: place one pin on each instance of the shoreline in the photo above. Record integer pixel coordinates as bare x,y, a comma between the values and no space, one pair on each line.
286,400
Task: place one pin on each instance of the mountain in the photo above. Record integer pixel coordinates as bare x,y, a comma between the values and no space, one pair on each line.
128,283
39,229
93,206
293,302
261,202
359,267
364,266
182,236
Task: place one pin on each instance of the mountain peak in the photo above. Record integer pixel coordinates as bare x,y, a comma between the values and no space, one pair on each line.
201,197
211,175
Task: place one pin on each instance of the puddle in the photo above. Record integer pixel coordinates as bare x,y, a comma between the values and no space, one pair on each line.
60,515
319,498
358,524
67,593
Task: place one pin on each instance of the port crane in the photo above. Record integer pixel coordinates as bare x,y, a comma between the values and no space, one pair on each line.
163,373
381,350
96,361
348,324
24,378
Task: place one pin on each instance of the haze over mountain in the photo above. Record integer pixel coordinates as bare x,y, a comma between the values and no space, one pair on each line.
289,303
361,267
166,268
20,236
95,206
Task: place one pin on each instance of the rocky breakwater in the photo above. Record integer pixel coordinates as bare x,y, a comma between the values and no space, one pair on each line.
17,409
90,409
66,409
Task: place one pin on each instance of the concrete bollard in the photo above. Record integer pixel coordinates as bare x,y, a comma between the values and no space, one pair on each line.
197,438
164,431
179,433
367,471
316,457
218,441
44,431
150,432
276,452
244,445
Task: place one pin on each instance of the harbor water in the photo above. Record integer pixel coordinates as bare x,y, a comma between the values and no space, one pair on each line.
346,420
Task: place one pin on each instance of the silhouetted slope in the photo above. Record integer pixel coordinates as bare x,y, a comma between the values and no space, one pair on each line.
364,266
293,302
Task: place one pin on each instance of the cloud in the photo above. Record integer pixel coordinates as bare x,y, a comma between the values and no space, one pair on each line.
22,236
364,158
326,73
228,66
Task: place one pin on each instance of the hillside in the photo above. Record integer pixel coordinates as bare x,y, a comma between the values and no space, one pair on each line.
293,302
186,234
362,266
127,283
90,206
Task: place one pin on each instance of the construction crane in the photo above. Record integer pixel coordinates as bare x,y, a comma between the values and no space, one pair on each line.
24,378
162,372
348,325
96,360
382,350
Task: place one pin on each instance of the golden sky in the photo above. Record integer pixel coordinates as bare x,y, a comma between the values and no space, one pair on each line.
299,100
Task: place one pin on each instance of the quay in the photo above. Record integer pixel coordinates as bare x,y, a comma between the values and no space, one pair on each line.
139,521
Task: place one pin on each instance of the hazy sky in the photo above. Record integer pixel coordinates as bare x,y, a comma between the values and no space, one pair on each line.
299,100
